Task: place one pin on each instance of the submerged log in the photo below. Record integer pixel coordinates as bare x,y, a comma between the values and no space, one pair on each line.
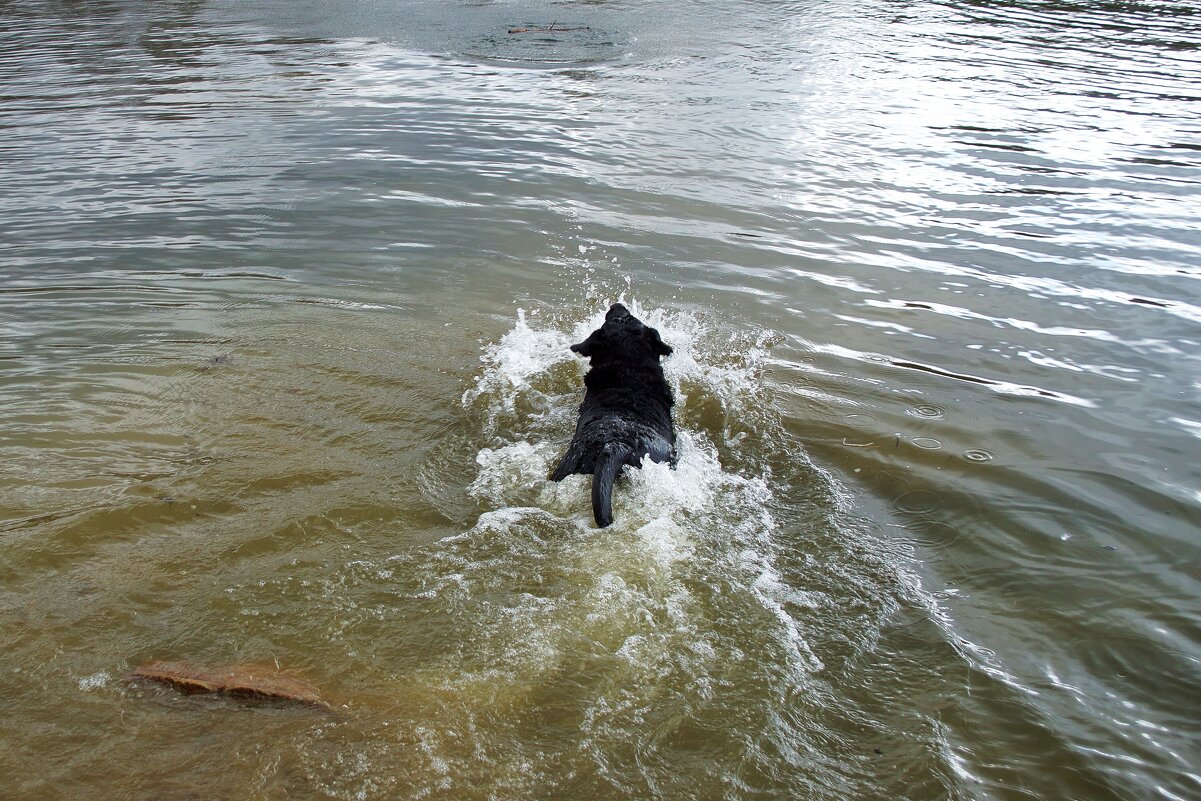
242,681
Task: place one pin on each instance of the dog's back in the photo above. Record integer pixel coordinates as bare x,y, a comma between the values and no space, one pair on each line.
626,413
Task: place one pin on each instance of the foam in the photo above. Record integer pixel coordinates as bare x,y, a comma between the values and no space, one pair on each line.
520,354
667,520
94,681
702,608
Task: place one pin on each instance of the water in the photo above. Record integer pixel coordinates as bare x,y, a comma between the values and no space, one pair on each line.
286,291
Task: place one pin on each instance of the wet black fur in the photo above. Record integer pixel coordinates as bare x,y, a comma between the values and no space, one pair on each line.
626,413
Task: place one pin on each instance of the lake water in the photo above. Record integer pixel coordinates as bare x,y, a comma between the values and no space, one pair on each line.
286,290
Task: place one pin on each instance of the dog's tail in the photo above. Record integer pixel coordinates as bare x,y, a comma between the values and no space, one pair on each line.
608,465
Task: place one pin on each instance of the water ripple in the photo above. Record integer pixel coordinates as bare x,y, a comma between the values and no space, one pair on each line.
249,256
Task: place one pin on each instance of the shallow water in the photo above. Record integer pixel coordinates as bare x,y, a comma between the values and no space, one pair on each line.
286,291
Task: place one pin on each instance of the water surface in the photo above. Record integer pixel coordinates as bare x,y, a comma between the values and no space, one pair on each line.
286,291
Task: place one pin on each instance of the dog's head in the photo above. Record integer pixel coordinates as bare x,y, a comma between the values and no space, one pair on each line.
623,336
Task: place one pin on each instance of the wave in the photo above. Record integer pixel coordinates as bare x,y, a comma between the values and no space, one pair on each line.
712,611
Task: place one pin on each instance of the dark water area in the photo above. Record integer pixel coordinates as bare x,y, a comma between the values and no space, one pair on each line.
286,294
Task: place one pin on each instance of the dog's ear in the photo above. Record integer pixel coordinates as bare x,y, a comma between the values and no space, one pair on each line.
658,346
589,345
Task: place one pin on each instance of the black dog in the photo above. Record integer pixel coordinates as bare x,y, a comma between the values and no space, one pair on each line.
626,413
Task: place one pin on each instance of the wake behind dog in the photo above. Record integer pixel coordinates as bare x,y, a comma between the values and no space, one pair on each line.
626,413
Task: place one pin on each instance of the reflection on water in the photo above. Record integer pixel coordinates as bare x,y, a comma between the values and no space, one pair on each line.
285,298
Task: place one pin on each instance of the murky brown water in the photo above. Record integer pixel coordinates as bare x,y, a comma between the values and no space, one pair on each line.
286,291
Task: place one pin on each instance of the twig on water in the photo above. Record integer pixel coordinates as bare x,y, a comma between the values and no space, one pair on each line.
549,28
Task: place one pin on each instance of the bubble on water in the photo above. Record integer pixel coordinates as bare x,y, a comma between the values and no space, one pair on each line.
977,455
94,681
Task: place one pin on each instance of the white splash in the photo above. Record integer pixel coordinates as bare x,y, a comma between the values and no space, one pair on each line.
94,681
522,353
530,387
